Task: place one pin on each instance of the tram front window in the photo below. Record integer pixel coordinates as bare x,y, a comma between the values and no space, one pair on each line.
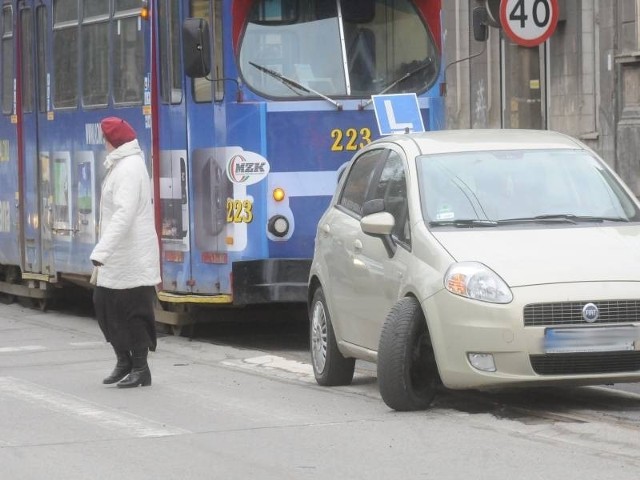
344,48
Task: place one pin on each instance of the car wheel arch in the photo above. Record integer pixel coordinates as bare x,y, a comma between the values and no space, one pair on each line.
314,283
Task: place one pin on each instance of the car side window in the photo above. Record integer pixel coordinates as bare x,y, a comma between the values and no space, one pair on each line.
358,181
392,188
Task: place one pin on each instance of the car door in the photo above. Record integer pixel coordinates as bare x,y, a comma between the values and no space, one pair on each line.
340,238
376,274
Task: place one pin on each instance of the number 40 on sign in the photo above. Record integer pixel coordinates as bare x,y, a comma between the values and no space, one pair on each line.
529,22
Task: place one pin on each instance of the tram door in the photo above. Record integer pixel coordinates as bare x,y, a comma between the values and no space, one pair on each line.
173,159
31,79
10,212
208,153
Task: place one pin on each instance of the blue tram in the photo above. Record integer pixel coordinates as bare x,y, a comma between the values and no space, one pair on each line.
246,110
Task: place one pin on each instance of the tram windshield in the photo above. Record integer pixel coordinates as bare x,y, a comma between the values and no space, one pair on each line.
342,48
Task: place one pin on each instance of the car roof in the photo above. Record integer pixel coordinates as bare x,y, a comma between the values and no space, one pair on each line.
471,140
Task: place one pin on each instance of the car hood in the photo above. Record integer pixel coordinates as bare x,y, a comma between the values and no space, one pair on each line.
534,256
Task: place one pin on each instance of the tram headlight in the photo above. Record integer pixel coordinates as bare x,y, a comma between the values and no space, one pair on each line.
278,225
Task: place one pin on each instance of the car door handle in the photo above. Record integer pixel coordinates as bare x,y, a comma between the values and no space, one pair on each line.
357,245
325,228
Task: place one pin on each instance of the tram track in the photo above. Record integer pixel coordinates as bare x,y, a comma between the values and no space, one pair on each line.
556,406
586,405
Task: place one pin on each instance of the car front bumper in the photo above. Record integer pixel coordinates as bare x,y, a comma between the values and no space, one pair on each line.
460,326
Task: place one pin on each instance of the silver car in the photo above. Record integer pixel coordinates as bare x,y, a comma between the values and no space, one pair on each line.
477,259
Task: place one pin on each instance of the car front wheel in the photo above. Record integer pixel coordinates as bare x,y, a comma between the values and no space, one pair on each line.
329,366
407,371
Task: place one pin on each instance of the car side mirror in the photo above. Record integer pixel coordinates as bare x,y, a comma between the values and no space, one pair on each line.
196,48
377,224
380,225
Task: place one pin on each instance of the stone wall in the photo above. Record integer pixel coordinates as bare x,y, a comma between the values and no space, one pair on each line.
592,77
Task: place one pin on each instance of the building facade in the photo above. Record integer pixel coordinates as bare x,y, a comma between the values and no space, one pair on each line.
583,81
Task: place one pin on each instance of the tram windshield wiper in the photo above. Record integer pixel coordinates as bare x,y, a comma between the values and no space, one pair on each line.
292,84
426,63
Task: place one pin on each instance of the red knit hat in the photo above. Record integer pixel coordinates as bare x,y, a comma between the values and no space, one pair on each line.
116,131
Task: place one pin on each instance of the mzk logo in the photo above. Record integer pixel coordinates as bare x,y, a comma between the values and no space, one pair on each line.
247,168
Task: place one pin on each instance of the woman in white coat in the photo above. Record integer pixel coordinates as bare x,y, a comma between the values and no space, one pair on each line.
126,257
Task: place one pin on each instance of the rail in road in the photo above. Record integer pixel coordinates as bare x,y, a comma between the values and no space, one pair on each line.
602,419
551,404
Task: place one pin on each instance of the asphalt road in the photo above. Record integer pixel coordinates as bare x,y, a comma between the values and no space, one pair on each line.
239,401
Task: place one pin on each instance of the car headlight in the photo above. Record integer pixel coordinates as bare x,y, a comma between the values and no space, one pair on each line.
477,281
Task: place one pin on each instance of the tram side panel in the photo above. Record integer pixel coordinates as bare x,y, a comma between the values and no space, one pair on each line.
10,211
228,209
72,170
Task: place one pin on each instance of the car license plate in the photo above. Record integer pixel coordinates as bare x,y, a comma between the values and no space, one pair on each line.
591,339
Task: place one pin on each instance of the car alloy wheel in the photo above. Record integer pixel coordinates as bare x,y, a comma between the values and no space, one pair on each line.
319,336
330,367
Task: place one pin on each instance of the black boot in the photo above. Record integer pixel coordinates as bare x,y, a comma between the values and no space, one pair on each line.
122,369
140,374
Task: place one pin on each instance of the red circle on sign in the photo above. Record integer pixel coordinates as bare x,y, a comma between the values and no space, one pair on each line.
529,42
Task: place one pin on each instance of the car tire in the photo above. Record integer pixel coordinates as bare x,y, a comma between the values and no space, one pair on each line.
330,367
407,372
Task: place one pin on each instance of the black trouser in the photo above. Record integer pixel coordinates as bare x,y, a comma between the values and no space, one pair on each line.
126,317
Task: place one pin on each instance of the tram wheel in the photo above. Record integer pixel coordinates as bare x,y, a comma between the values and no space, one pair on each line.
28,302
42,304
7,299
9,275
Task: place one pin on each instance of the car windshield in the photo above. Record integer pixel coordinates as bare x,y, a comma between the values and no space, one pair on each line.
480,189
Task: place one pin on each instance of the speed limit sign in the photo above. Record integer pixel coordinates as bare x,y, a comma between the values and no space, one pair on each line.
529,22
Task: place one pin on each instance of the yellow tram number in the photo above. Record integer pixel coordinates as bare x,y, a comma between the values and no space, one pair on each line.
350,139
239,211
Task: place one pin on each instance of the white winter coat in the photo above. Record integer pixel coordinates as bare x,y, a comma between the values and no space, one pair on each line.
128,244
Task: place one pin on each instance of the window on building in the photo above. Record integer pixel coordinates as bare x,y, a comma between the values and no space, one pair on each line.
523,84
